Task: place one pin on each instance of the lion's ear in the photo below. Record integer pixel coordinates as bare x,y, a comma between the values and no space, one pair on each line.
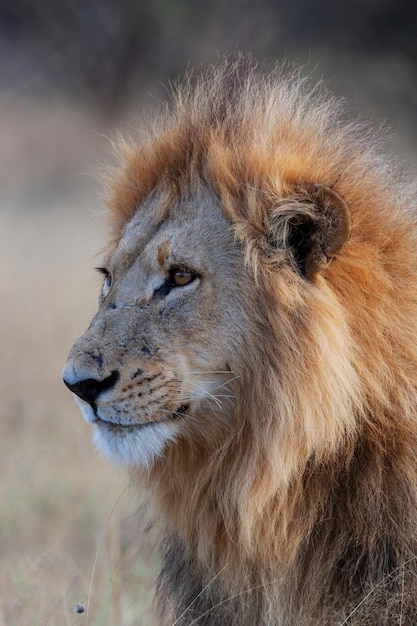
316,226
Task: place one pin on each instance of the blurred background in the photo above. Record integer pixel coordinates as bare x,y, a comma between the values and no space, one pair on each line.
71,73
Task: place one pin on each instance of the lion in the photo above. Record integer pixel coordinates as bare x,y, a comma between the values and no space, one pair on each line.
254,357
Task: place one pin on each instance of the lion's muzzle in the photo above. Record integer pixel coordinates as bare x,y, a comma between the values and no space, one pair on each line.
89,389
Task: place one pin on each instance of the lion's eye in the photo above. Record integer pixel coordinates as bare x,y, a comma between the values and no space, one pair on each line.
181,277
177,277
107,280
106,285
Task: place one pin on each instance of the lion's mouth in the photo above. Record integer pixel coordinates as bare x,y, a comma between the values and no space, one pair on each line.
181,411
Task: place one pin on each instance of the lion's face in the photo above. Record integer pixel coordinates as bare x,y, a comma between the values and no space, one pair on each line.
160,350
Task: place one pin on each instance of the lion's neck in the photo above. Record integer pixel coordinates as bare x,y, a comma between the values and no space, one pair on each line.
302,544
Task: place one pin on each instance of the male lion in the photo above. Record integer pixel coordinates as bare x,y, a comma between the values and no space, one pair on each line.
254,356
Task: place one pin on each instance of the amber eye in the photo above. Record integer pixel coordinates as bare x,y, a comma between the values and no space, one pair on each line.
181,277
177,277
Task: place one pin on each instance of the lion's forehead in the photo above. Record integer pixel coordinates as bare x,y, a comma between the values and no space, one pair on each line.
195,229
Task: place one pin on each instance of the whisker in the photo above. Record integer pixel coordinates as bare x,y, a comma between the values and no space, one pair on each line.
225,383
177,415
213,372
210,396
225,395
189,383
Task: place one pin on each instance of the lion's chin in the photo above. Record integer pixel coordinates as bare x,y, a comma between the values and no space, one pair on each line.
133,445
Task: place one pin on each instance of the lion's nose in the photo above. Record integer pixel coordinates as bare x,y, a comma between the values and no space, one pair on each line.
89,389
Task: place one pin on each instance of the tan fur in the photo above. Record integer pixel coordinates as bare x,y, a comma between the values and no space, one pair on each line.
294,502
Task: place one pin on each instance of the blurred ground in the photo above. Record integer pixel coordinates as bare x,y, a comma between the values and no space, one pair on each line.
71,73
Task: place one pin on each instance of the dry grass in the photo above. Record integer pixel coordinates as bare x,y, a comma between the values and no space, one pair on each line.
68,533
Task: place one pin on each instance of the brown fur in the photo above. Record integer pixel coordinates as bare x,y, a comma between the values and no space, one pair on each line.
305,513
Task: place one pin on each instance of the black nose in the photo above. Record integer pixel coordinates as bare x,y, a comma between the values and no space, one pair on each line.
89,389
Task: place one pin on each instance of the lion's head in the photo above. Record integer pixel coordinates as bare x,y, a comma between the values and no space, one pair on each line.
254,349
169,353
158,360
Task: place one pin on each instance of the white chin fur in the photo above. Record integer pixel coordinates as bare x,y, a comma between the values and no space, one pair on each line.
134,446
131,447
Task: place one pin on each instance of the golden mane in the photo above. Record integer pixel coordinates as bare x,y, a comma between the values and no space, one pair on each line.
308,512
